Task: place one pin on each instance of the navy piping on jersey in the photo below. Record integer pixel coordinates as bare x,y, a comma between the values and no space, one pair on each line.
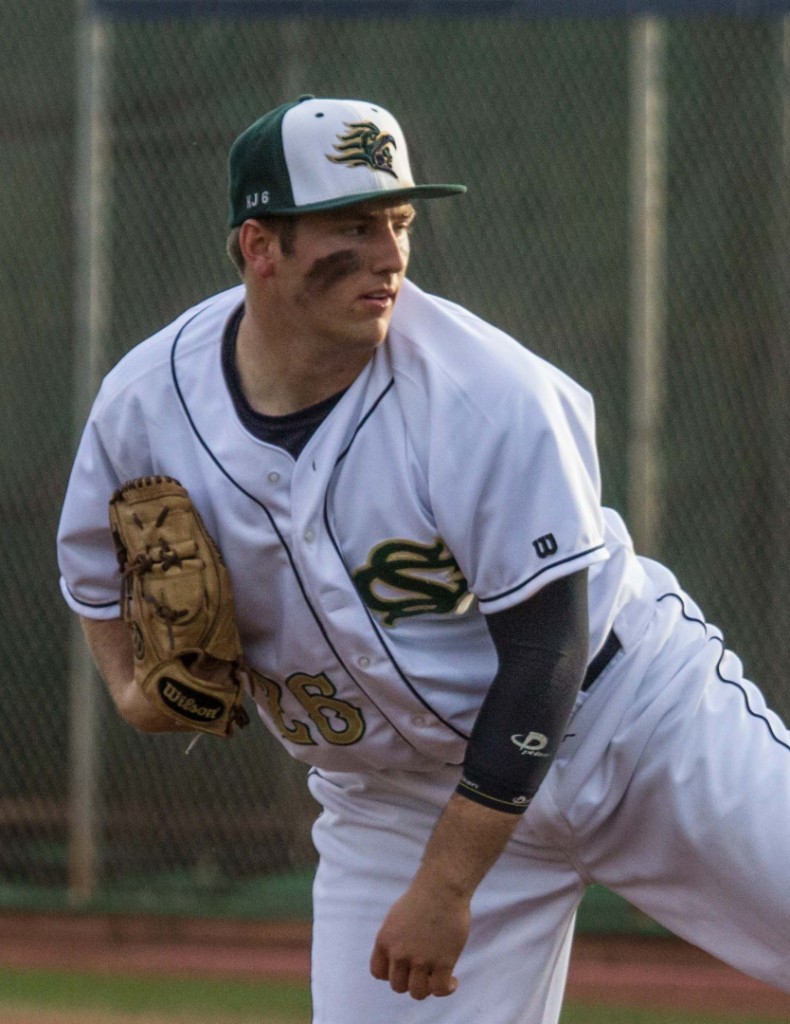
534,576
375,626
364,420
91,604
272,523
728,682
371,619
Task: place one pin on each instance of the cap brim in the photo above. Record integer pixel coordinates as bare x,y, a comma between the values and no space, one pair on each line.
414,192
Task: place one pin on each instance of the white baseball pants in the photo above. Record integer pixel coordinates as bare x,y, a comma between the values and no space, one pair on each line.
672,789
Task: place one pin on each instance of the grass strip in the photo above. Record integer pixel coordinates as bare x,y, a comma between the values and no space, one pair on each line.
576,1013
163,996
239,1000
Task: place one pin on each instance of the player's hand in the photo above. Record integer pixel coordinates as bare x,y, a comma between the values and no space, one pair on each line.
420,941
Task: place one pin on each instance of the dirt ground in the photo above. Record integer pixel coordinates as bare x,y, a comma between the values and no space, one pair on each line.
617,970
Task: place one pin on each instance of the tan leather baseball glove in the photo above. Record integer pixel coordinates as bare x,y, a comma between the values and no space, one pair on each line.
177,600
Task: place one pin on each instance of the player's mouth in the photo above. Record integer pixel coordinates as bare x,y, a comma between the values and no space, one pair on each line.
379,300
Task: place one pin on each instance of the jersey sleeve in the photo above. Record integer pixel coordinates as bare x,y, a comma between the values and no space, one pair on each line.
515,484
131,431
90,579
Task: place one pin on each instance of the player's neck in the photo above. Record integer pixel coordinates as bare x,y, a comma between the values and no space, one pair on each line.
281,373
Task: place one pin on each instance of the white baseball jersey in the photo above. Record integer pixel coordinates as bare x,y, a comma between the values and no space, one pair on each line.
456,476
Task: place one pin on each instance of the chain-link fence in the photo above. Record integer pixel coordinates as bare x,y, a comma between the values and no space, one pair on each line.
537,116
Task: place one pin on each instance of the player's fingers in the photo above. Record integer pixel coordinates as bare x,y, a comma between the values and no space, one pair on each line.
379,964
399,975
403,976
442,982
419,983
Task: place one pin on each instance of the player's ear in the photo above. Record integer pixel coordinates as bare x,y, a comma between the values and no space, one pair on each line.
260,246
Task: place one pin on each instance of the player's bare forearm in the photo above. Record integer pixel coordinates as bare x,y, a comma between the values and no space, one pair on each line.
110,644
466,842
422,936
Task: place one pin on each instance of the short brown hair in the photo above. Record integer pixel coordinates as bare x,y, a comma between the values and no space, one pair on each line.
285,227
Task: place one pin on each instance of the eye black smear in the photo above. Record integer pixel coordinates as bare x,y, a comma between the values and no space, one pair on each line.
329,270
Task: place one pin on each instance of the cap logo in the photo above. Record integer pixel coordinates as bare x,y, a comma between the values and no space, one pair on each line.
364,145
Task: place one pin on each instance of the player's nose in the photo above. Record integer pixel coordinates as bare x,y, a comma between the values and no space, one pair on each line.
391,250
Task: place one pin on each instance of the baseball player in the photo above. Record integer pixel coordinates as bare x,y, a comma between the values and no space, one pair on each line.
501,703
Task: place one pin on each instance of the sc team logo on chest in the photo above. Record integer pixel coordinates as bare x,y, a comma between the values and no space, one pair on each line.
402,578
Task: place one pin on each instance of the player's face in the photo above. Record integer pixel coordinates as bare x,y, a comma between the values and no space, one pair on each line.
344,271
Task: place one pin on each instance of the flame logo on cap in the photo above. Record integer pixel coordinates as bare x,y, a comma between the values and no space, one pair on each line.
365,145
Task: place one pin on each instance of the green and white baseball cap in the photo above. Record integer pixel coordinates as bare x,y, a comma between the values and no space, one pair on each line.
321,154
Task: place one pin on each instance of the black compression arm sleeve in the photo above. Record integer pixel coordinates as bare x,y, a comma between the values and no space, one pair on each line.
542,646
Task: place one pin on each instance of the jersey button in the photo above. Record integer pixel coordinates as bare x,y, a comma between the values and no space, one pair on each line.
363,661
273,478
309,536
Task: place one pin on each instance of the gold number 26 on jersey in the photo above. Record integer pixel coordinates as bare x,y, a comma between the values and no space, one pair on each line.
337,721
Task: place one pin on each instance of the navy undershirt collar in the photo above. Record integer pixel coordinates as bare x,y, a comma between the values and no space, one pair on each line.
291,431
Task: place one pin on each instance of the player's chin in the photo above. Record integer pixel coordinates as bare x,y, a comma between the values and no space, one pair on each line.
373,330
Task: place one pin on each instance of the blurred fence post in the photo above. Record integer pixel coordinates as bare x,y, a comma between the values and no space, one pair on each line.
779,384
647,279
91,286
